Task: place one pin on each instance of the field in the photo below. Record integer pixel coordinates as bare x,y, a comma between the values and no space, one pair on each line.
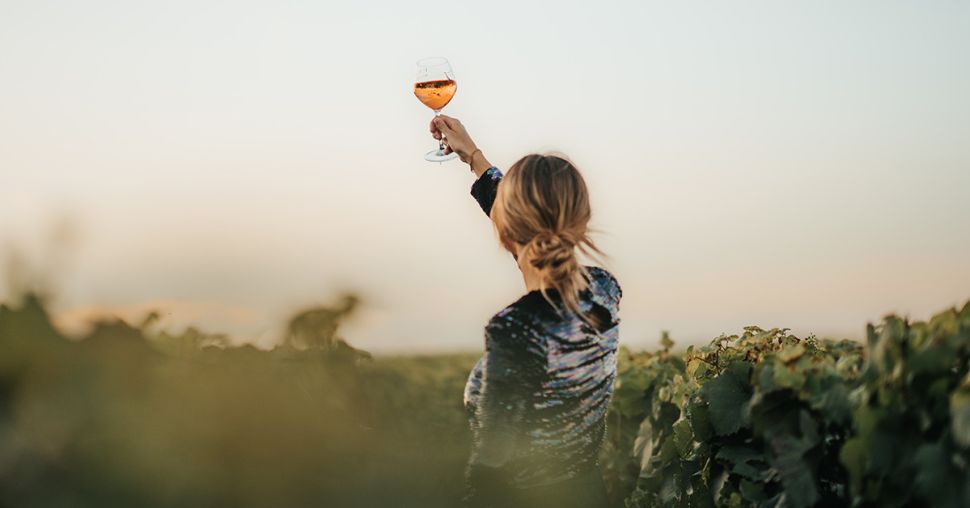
130,415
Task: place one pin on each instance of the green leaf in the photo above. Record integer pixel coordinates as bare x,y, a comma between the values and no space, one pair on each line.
937,481
960,417
934,360
728,397
791,353
796,473
753,492
700,420
629,391
670,489
743,460
788,376
766,377
830,397
697,368
668,451
854,457
683,437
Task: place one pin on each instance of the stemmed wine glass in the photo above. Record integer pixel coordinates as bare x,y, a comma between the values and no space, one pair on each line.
434,86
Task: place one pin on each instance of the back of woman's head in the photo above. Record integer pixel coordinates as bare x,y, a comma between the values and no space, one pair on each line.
542,206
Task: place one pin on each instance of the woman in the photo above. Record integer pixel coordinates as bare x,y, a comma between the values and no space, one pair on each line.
537,399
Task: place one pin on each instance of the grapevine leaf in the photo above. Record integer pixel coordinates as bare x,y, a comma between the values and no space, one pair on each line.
743,460
752,492
960,417
854,457
791,353
788,376
936,480
728,397
643,443
831,398
796,474
683,437
935,360
629,391
700,420
670,489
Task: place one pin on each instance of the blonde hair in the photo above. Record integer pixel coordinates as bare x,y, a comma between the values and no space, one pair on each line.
542,204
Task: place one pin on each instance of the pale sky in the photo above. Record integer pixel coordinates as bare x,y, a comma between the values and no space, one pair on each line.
799,164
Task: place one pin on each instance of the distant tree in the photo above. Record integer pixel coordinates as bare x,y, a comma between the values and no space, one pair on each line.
316,327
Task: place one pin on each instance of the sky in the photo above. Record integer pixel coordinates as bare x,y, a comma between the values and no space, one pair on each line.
786,164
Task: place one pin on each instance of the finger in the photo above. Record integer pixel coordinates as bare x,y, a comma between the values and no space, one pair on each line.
443,127
451,122
435,132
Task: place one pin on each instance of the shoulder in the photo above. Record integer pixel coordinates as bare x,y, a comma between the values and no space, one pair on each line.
514,318
517,326
603,282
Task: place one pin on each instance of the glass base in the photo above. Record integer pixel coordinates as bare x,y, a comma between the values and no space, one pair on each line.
439,156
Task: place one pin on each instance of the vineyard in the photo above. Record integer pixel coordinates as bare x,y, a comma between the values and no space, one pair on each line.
767,419
130,415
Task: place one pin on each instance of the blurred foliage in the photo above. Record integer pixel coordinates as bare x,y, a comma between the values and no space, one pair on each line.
912,414
316,327
133,416
129,416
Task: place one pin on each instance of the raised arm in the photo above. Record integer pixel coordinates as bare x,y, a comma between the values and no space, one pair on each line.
459,141
484,189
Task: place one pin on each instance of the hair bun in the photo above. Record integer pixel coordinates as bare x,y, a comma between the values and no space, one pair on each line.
553,250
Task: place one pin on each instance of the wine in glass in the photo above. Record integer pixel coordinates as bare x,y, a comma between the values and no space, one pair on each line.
434,87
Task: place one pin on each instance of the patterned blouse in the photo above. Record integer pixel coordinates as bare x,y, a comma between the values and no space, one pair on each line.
537,399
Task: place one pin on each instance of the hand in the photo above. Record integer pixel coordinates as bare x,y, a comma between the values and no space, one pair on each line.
456,137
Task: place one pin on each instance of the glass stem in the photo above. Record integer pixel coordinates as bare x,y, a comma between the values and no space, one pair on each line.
441,142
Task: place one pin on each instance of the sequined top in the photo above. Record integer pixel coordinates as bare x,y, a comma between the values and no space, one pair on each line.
537,399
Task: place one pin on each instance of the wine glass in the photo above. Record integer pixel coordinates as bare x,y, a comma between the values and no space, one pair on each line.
434,86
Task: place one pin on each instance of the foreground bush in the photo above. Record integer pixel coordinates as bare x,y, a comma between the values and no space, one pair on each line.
129,417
